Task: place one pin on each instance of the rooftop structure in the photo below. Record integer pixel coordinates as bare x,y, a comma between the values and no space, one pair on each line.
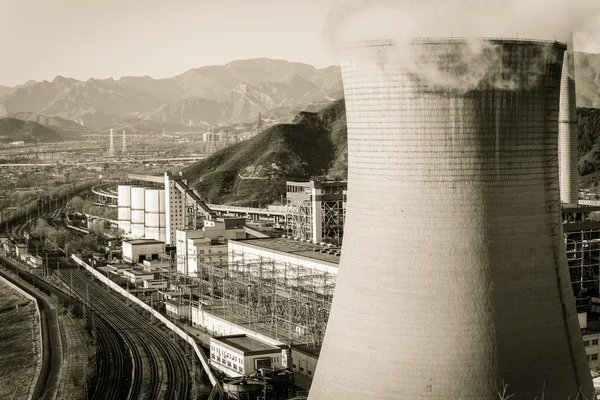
297,249
316,210
453,162
238,355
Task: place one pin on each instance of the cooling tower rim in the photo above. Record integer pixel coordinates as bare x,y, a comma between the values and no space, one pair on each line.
453,40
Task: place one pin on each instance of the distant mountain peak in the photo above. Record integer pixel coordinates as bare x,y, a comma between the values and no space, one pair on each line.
230,93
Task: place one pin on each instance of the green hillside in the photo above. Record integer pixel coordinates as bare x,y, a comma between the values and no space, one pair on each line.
255,171
12,129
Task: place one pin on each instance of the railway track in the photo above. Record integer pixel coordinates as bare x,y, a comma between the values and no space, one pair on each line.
168,374
112,358
135,359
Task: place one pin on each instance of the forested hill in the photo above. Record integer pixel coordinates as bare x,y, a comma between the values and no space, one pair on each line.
255,171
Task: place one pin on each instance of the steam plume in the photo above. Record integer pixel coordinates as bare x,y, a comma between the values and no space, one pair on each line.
400,20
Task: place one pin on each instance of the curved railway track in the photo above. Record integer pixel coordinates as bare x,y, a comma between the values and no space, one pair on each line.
135,359
112,358
168,376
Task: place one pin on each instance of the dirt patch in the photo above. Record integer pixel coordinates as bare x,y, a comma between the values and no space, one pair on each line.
19,344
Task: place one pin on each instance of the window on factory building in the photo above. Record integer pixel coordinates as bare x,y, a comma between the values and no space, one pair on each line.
301,369
595,341
586,343
309,372
594,356
294,366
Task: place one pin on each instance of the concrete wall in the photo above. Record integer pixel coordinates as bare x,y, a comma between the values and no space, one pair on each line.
221,327
303,363
453,276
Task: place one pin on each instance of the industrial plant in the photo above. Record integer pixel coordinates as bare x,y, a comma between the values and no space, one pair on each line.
457,261
470,209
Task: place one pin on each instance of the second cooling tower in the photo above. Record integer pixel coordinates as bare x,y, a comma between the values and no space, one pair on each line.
453,281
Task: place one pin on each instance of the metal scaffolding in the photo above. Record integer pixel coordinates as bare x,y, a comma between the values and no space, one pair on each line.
282,300
316,210
582,242
300,218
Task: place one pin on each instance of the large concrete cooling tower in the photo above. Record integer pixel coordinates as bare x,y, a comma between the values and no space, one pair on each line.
567,130
453,281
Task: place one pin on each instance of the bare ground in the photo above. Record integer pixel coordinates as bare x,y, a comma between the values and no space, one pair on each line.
78,356
20,348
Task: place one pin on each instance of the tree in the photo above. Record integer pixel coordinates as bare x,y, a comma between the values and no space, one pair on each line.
76,204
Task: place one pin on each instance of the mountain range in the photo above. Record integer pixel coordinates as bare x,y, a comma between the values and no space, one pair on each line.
211,95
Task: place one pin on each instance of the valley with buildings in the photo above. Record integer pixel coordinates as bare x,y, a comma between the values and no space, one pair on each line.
420,222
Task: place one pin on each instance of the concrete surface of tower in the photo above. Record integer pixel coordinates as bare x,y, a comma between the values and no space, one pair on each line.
453,279
567,130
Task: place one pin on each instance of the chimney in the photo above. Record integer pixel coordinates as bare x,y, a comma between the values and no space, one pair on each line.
567,130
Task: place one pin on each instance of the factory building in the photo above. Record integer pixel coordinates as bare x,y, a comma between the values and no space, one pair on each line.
138,250
238,355
207,245
316,210
178,308
457,173
154,207
137,277
182,237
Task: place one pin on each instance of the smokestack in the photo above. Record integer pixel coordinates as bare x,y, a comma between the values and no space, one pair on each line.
453,281
567,130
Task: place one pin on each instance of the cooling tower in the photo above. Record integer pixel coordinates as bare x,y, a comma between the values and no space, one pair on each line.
567,130
453,281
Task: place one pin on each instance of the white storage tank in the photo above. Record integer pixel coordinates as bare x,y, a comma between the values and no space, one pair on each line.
124,208
152,212
162,216
138,206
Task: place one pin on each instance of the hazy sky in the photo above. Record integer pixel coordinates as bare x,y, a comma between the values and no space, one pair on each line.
160,38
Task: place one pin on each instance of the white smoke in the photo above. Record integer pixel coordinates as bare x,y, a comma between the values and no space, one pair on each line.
351,21
358,20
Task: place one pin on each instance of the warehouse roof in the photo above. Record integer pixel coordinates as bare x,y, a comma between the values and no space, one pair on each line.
295,247
142,241
245,343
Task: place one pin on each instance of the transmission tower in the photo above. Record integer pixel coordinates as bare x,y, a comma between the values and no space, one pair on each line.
259,125
111,148
124,143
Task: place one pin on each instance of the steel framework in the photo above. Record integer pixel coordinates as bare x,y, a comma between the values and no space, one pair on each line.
582,242
300,221
282,300
328,218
